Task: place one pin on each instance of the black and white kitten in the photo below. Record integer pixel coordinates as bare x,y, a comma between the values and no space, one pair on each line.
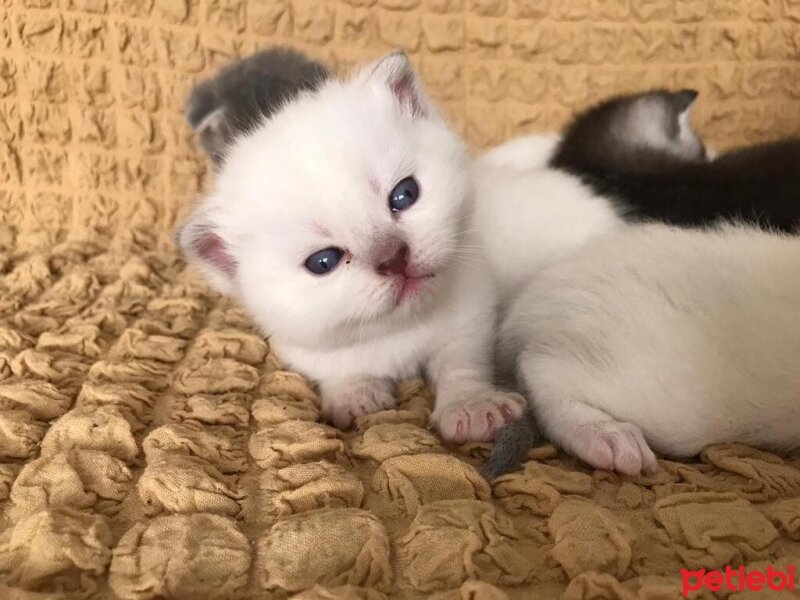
641,151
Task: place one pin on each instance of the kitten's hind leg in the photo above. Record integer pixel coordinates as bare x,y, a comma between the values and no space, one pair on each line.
596,438
343,401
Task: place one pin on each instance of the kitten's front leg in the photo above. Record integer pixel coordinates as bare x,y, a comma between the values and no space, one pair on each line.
345,399
468,407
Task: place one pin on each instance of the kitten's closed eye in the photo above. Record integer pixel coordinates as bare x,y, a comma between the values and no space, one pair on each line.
324,261
404,194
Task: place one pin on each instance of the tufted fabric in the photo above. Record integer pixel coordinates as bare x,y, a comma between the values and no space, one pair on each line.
150,443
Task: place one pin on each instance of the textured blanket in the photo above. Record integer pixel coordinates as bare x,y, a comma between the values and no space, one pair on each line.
152,446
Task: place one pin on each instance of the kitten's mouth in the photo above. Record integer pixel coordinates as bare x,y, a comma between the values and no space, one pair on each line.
411,286
409,280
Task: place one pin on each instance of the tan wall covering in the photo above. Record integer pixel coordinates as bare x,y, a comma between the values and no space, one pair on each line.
91,91
151,446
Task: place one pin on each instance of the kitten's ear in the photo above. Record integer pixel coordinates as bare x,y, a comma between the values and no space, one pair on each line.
205,113
395,72
689,144
206,248
683,100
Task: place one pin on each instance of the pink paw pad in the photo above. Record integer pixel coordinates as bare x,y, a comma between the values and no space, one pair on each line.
478,420
613,446
359,399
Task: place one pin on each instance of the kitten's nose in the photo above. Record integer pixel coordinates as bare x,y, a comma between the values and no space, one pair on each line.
397,264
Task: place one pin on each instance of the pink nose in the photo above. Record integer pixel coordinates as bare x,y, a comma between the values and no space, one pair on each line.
396,265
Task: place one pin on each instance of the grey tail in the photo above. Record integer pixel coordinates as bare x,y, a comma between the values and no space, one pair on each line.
511,443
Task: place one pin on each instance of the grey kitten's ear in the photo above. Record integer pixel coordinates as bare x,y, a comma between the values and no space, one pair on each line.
205,113
396,72
684,99
207,249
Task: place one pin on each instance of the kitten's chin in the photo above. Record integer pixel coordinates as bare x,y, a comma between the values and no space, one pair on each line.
414,296
408,298
414,289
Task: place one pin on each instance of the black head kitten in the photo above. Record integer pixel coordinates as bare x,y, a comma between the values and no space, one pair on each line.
641,151
633,134
247,91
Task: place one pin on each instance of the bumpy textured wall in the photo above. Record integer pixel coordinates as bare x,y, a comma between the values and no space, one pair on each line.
91,91
151,446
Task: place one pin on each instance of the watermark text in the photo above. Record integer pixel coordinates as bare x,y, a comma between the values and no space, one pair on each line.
739,580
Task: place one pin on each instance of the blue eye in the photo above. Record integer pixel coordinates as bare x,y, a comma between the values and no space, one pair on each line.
404,194
324,261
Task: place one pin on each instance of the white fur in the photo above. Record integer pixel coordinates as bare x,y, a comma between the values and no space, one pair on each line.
687,337
686,135
526,219
318,174
523,153
645,123
304,180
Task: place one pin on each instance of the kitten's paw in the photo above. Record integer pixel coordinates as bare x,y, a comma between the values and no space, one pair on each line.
478,420
614,446
343,404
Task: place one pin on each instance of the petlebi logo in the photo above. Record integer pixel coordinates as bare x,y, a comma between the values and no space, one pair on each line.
739,580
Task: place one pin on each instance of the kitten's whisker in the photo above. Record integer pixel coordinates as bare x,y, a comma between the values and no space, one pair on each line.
469,230
468,262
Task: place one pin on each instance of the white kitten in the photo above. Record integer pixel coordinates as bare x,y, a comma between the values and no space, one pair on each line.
663,338
341,224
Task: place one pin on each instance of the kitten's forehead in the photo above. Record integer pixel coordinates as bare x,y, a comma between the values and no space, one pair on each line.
647,118
328,149
340,115
659,120
652,106
341,129
663,107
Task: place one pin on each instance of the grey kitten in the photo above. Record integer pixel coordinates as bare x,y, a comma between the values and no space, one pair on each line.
246,92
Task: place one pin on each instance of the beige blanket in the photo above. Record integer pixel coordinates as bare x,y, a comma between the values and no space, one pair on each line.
151,445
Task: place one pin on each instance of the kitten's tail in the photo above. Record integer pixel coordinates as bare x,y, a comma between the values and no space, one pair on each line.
511,444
